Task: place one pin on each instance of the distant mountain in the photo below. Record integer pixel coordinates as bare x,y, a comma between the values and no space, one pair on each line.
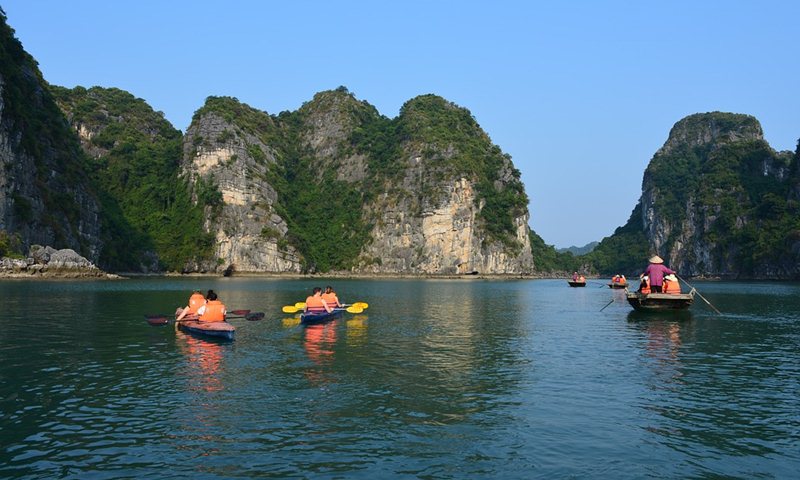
579,250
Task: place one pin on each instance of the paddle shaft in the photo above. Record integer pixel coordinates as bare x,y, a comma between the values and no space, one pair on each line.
699,294
607,304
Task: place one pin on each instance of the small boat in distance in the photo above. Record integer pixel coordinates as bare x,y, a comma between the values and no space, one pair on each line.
618,281
660,302
577,280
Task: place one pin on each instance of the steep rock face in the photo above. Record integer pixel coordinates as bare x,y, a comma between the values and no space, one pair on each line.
226,155
44,195
337,186
429,218
717,201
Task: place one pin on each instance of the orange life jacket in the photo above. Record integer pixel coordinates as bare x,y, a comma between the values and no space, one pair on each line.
331,299
196,301
215,312
314,304
582,279
671,287
646,287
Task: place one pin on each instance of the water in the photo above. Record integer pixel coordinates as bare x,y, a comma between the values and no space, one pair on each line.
437,379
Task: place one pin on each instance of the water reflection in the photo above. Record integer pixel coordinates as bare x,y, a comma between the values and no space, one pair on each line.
356,330
204,358
319,342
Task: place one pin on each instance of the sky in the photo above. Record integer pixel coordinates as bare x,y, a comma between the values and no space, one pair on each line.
581,94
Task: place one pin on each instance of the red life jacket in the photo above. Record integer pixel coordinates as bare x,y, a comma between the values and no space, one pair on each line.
314,304
331,299
196,301
215,312
671,287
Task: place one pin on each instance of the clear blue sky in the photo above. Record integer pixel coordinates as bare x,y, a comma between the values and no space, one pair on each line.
580,93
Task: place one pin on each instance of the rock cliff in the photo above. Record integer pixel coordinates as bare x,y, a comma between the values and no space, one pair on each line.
226,153
45,197
337,186
718,201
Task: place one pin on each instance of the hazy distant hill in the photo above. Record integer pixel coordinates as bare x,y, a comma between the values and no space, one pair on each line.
579,250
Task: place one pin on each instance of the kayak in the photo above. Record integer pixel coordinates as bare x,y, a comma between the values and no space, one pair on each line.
314,318
210,329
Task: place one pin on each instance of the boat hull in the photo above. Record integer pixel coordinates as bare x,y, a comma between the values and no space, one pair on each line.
660,302
315,318
576,284
209,329
617,285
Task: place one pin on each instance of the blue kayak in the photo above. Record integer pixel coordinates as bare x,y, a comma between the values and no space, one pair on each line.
313,318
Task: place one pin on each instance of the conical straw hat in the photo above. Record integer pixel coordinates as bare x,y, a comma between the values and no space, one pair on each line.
656,259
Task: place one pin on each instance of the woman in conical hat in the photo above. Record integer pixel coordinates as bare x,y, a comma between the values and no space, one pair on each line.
656,271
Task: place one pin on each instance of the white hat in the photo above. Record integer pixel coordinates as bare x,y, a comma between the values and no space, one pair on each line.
656,259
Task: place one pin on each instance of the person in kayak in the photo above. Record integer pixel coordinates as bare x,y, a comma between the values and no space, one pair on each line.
330,297
213,310
656,271
195,302
315,303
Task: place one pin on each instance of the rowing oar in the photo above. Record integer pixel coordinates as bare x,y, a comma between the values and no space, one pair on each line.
160,319
699,294
607,304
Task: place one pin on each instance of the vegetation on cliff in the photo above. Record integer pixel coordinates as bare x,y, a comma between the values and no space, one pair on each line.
46,199
134,164
718,184
326,212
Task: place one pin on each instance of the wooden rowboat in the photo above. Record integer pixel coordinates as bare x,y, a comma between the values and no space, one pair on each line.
660,302
617,285
576,284
315,318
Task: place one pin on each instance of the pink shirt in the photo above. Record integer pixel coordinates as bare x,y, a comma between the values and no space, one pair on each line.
656,272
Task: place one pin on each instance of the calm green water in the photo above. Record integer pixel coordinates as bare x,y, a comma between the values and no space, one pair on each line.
438,379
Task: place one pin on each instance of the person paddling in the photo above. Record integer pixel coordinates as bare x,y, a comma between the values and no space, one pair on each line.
195,302
315,303
213,310
656,271
330,298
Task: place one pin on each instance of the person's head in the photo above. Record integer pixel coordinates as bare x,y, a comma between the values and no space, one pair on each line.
211,295
317,290
328,289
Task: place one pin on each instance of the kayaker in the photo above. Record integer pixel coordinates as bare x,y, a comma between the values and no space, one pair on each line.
315,303
330,297
196,301
213,310
656,271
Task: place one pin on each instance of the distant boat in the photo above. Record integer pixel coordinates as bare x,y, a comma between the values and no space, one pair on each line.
660,302
576,283
617,285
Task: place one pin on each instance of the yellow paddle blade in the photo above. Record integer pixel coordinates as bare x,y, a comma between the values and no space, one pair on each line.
300,305
289,309
354,309
361,305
